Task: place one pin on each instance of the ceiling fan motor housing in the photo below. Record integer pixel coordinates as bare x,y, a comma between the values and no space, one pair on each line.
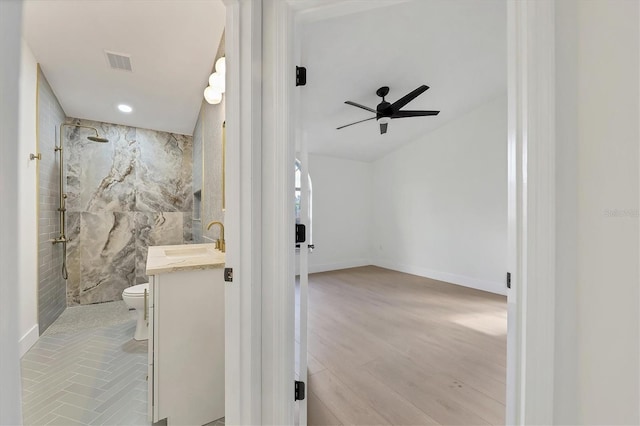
384,109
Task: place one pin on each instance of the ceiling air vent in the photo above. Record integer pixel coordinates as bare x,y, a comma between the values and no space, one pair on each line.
118,61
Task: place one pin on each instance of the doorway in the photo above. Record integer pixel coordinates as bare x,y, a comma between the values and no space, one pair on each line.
530,101
428,197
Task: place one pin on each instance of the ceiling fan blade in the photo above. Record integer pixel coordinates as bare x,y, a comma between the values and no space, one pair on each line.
402,114
347,125
408,98
361,106
383,128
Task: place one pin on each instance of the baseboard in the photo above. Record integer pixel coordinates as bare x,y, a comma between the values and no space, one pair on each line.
338,265
489,286
28,340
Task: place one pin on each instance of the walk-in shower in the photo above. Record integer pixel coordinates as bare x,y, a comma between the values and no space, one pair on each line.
62,239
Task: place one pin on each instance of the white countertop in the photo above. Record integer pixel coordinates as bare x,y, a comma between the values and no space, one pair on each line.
183,257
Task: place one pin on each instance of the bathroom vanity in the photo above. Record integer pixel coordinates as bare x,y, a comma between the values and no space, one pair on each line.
186,334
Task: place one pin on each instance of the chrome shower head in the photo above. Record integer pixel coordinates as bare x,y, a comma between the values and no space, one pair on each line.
98,139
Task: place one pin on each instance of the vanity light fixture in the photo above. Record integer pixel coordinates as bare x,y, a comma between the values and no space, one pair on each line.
212,95
221,65
213,92
216,80
125,108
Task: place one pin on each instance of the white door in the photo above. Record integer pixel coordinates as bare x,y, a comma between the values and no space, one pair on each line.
303,217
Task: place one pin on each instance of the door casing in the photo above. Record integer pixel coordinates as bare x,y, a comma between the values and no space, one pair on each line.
261,122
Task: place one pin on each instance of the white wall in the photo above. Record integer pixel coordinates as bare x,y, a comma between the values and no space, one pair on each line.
27,202
342,213
435,208
597,322
10,401
440,203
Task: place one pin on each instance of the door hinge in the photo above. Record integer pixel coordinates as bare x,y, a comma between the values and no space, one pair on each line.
299,391
508,279
301,76
301,233
228,275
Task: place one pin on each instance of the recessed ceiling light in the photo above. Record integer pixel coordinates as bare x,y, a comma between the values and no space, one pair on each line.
125,108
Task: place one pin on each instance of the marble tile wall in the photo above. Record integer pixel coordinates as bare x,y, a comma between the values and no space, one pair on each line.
123,196
51,286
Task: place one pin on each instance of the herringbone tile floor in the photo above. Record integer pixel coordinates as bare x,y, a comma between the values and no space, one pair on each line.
95,376
87,370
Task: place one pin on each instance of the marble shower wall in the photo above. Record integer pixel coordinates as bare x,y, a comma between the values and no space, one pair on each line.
122,197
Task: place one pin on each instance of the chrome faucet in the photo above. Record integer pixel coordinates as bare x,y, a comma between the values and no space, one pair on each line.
220,244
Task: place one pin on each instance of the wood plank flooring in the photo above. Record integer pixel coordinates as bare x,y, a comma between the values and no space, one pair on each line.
387,348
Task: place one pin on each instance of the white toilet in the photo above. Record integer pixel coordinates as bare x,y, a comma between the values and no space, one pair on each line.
134,297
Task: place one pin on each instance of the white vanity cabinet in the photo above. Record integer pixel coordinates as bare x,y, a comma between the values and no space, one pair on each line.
186,334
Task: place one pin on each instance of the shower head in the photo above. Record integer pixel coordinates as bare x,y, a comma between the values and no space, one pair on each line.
97,139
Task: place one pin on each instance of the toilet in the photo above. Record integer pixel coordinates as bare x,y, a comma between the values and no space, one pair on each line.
134,297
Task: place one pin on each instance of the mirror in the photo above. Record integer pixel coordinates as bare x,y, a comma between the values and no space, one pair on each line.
208,171
209,166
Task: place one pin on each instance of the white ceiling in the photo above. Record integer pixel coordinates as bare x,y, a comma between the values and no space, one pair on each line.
172,44
458,48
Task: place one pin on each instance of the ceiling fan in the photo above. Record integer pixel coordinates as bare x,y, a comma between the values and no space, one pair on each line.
386,111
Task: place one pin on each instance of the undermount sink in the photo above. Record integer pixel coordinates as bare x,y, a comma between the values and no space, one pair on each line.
194,251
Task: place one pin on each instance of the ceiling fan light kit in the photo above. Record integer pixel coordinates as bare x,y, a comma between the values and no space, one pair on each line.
386,111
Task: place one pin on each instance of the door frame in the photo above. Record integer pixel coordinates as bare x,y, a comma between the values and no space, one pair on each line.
261,121
10,44
243,41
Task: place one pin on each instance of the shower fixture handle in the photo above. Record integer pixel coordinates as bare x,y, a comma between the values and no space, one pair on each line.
60,239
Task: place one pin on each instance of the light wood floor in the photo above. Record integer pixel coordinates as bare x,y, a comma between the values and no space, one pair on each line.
392,348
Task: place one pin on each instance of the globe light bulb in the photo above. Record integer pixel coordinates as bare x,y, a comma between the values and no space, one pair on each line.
216,80
221,65
212,96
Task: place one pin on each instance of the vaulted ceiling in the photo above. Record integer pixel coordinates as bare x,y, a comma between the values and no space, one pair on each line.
458,48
